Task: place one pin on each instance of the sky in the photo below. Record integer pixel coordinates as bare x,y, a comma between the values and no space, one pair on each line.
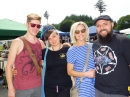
18,10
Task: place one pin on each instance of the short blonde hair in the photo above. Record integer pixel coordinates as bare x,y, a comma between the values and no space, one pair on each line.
73,28
33,16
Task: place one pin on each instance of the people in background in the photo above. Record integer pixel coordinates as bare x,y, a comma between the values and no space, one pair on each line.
4,46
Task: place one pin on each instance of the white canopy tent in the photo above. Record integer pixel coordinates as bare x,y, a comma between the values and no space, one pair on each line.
125,31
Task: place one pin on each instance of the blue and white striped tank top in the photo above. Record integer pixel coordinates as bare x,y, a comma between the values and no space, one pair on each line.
77,55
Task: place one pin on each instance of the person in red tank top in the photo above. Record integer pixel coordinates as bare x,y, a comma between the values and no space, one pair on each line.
27,81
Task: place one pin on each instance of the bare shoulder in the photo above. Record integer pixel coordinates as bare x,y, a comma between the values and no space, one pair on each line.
42,44
16,46
17,42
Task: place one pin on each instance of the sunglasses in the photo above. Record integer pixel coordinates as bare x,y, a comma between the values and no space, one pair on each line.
78,31
33,25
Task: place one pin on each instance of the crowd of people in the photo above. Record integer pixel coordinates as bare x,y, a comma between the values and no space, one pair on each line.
106,74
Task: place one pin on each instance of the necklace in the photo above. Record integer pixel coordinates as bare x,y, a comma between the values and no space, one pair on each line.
58,49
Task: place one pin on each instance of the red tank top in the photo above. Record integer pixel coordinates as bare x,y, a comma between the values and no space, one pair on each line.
27,76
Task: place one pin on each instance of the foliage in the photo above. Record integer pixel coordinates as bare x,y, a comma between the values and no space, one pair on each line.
101,6
83,18
69,20
65,25
57,26
46,14
115,25
123,22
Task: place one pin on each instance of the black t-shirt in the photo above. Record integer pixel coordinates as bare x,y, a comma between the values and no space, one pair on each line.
56,68
112,62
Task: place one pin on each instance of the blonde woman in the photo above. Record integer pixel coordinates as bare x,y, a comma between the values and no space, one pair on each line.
76,57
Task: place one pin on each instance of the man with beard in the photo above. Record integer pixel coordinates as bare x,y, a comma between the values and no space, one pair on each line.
112,60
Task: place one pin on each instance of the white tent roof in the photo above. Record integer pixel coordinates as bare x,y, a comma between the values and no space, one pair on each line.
125,31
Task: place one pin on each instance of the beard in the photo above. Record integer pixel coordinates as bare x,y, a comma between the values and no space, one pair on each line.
107,38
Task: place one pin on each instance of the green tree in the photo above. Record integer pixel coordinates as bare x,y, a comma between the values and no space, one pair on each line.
57,26
65,25
123,22
83,18
46,15
101,6
115,25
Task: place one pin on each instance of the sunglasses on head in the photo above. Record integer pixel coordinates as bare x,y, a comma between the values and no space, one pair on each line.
33,25
78,31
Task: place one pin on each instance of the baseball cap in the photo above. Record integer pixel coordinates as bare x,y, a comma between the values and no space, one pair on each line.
103,17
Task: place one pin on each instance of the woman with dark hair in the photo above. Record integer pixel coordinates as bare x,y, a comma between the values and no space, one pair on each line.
57,82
